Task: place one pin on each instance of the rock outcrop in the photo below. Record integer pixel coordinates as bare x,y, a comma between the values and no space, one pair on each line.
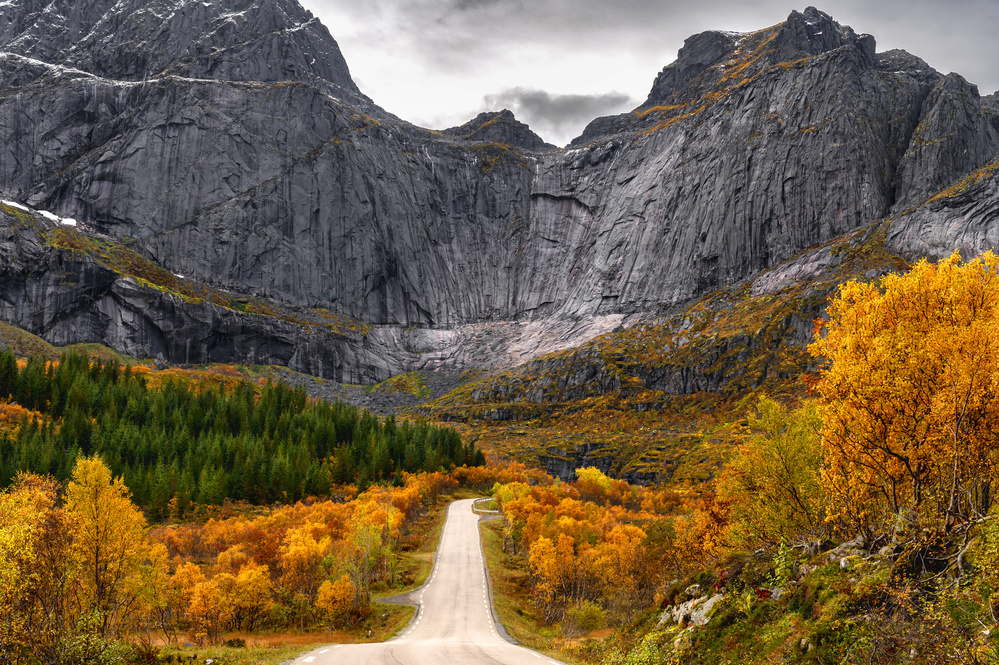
225,141
500,127
68,297
137,40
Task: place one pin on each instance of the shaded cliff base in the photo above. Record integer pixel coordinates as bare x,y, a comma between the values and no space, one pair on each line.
67,283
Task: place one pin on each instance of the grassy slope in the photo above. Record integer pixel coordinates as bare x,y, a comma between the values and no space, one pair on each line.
25,344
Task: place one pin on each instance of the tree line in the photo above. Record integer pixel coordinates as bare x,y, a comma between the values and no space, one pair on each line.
187,441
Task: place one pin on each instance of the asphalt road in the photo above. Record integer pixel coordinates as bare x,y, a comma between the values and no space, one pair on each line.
454,620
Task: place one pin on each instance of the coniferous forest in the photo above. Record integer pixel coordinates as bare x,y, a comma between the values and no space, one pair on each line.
194,442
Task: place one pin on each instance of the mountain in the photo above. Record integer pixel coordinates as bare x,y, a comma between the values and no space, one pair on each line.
135,41
225,141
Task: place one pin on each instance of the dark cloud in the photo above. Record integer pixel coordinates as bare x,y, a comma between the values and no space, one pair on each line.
471,5
558,118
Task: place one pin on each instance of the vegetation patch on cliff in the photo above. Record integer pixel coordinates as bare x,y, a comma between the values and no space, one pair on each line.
410,383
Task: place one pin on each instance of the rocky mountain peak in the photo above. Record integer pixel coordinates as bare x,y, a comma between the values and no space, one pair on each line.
500,127
709,56
954,136
134,40
814,32
698,53
902,62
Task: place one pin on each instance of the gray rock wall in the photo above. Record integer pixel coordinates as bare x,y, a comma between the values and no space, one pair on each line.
206,138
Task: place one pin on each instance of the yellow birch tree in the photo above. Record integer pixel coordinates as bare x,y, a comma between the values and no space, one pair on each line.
109,541
910,393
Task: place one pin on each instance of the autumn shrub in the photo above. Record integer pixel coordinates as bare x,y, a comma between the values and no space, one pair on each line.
208,612
86,646
585,617
336,599
597,543
773,483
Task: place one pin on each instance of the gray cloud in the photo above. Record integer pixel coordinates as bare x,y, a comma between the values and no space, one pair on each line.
470,5
558,118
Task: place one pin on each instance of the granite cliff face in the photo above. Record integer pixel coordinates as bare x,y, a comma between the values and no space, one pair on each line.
226,142
47,284
135,40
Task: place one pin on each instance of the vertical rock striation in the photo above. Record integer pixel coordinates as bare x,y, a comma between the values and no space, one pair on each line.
226,141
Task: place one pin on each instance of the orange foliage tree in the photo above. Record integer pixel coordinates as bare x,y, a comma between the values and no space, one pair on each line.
594,540
910,396
109,542
336,599
208,610
37,569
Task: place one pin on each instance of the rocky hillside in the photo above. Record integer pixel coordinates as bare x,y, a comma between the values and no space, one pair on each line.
225,141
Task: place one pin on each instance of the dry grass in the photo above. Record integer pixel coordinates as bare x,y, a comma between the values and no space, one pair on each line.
278,647
24,344
252,654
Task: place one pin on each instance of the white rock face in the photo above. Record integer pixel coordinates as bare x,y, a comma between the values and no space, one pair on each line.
697,610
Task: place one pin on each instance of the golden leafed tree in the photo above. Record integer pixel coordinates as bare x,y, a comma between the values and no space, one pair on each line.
37,568
302,557
544,569
109,542
909,395
208,611
336,599
250,596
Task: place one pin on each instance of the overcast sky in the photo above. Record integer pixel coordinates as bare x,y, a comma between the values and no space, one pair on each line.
557,64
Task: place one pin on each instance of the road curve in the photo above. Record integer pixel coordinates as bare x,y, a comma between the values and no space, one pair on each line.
454,620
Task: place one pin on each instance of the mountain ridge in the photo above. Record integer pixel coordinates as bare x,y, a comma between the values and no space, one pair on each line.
134,41
750,149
